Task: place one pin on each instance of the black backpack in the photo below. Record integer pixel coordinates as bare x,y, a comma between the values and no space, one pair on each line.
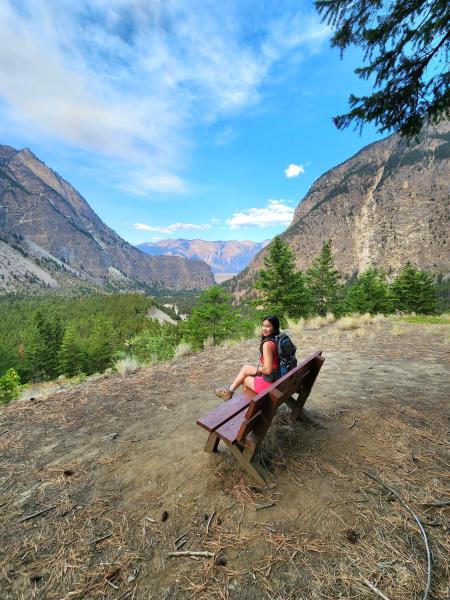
286,353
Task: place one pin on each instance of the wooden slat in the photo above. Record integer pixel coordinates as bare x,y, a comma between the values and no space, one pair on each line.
226,411
247,426
297,383
229,430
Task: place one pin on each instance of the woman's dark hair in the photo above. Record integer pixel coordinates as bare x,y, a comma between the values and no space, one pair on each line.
275,322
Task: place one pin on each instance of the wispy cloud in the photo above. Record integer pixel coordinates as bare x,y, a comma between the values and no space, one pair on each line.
171,228
131,80
277,212
294,170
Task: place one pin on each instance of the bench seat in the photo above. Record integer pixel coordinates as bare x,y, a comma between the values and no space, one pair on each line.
227,410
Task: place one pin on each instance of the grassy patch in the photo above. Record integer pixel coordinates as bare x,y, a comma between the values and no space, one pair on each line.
428,319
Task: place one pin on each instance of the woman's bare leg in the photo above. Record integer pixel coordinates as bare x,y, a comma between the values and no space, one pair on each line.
249,382
243,374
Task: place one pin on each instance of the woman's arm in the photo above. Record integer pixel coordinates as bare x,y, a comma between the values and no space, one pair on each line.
267,368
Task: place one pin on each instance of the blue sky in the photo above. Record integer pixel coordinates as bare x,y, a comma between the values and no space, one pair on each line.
178,118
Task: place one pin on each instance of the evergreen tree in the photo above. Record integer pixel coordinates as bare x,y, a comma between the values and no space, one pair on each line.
72,356
102,344
406,46
45,345
323,281
369,293
413,291
283,288
213,316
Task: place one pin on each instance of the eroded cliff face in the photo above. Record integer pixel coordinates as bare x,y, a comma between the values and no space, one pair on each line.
386,205
39,205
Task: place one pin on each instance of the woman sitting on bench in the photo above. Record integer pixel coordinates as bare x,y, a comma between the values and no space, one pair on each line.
267,370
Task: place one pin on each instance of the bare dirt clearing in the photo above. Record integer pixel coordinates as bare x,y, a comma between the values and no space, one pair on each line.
120,464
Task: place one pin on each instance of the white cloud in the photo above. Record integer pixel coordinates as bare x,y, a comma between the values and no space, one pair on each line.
132,80
171,228
294,170
140,184
277,212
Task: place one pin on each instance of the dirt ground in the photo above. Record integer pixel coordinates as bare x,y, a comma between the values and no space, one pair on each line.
119,464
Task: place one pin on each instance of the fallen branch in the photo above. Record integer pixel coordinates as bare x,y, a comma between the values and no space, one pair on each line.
100,539
209,521
179,538
71,541
374,589
437,504
268,505
36,514
369,584
422,530
180,544
150,520
116,587
191,553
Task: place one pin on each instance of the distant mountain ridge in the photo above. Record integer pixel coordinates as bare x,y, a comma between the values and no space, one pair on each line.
222,256
43,218
384,206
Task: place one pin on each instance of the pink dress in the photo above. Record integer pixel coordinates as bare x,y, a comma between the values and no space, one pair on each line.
260,383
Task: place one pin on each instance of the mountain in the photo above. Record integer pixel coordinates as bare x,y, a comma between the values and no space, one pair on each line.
48,226
386,205
224,258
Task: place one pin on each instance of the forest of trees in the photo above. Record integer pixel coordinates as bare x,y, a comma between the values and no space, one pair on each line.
322,289
44,338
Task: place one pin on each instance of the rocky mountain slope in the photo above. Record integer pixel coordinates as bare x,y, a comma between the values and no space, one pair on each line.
42,215
386,205
223,257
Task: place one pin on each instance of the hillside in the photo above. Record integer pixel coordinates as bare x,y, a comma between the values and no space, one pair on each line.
118,463
386,205
225,258
42,214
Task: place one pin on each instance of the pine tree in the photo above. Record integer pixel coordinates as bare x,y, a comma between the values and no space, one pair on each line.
45,345
413,291
323,281
72,356
213,316
406,46
283,288
369,293
102,344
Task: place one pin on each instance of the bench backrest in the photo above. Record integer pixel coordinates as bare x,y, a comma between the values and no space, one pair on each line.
263,407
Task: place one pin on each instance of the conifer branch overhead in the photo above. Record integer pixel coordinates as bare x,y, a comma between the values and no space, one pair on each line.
406,47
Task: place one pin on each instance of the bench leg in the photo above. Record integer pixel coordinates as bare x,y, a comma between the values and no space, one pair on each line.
298,412
251,468
212,442
296,408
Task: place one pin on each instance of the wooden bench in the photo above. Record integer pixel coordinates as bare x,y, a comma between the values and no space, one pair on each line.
243,421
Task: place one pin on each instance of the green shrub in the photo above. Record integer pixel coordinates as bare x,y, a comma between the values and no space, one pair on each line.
152,345
9,386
